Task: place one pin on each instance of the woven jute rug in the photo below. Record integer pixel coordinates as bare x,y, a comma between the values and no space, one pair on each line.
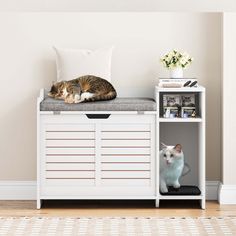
117,226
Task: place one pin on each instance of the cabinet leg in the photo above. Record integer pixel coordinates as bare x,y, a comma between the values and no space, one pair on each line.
39,203
157,202
203,204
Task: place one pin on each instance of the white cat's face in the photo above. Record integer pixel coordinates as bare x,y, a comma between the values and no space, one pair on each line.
171,153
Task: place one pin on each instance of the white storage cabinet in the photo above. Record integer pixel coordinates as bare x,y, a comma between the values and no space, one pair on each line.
115,154
96,155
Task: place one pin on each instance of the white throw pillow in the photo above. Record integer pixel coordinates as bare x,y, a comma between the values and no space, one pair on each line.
73,63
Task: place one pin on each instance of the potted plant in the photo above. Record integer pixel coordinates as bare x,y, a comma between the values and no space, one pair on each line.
176,61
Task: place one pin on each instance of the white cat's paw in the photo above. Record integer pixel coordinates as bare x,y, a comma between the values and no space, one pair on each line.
69,99
77,98
77,101
164,189
176,185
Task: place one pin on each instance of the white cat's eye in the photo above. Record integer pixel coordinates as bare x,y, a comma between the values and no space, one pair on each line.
171,155
164,155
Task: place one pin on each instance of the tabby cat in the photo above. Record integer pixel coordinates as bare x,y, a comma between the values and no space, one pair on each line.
83,89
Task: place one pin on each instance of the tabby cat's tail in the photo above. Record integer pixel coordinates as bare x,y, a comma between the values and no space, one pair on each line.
103,97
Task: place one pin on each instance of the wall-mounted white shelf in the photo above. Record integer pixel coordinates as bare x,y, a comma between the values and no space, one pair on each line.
190,133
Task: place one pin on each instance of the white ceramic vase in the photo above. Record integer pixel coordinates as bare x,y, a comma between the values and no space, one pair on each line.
176,73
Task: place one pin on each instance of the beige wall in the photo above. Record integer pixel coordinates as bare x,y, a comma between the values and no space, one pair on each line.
229,99
27,64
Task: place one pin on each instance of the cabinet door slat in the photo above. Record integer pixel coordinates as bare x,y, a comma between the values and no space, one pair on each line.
70,135
126,182
125,143
126,135
68,159
125,174
125,166
65,151
124,159
131,150
70,143
70,174
70,166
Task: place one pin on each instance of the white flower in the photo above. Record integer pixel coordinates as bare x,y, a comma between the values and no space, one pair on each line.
183,60
175,59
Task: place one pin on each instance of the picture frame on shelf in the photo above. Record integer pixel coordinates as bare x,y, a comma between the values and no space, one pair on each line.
171,105
171,100
171,112
188,112
188,100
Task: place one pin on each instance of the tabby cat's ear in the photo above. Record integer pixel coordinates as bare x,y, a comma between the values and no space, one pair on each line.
178,147
163,146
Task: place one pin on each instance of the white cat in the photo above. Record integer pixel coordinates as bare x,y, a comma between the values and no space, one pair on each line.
171,166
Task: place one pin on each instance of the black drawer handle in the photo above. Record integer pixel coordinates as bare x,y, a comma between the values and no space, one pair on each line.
98,116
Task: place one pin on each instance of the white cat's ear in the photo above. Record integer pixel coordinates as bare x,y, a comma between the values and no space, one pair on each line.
163,146
178,147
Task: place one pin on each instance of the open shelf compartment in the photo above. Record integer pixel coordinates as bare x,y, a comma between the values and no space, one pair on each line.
177,106
189,136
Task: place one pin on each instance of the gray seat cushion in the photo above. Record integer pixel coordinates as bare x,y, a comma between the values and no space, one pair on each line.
118,104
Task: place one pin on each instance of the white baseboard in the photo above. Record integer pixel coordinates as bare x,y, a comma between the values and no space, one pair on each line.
227,194
18,190
26,190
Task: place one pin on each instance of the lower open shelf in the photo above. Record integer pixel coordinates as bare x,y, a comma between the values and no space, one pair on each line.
184,192
180,197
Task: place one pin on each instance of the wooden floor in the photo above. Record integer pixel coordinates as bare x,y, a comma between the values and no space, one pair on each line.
98,208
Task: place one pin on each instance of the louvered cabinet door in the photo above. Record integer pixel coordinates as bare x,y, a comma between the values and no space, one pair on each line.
68,160
127,154
111,157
